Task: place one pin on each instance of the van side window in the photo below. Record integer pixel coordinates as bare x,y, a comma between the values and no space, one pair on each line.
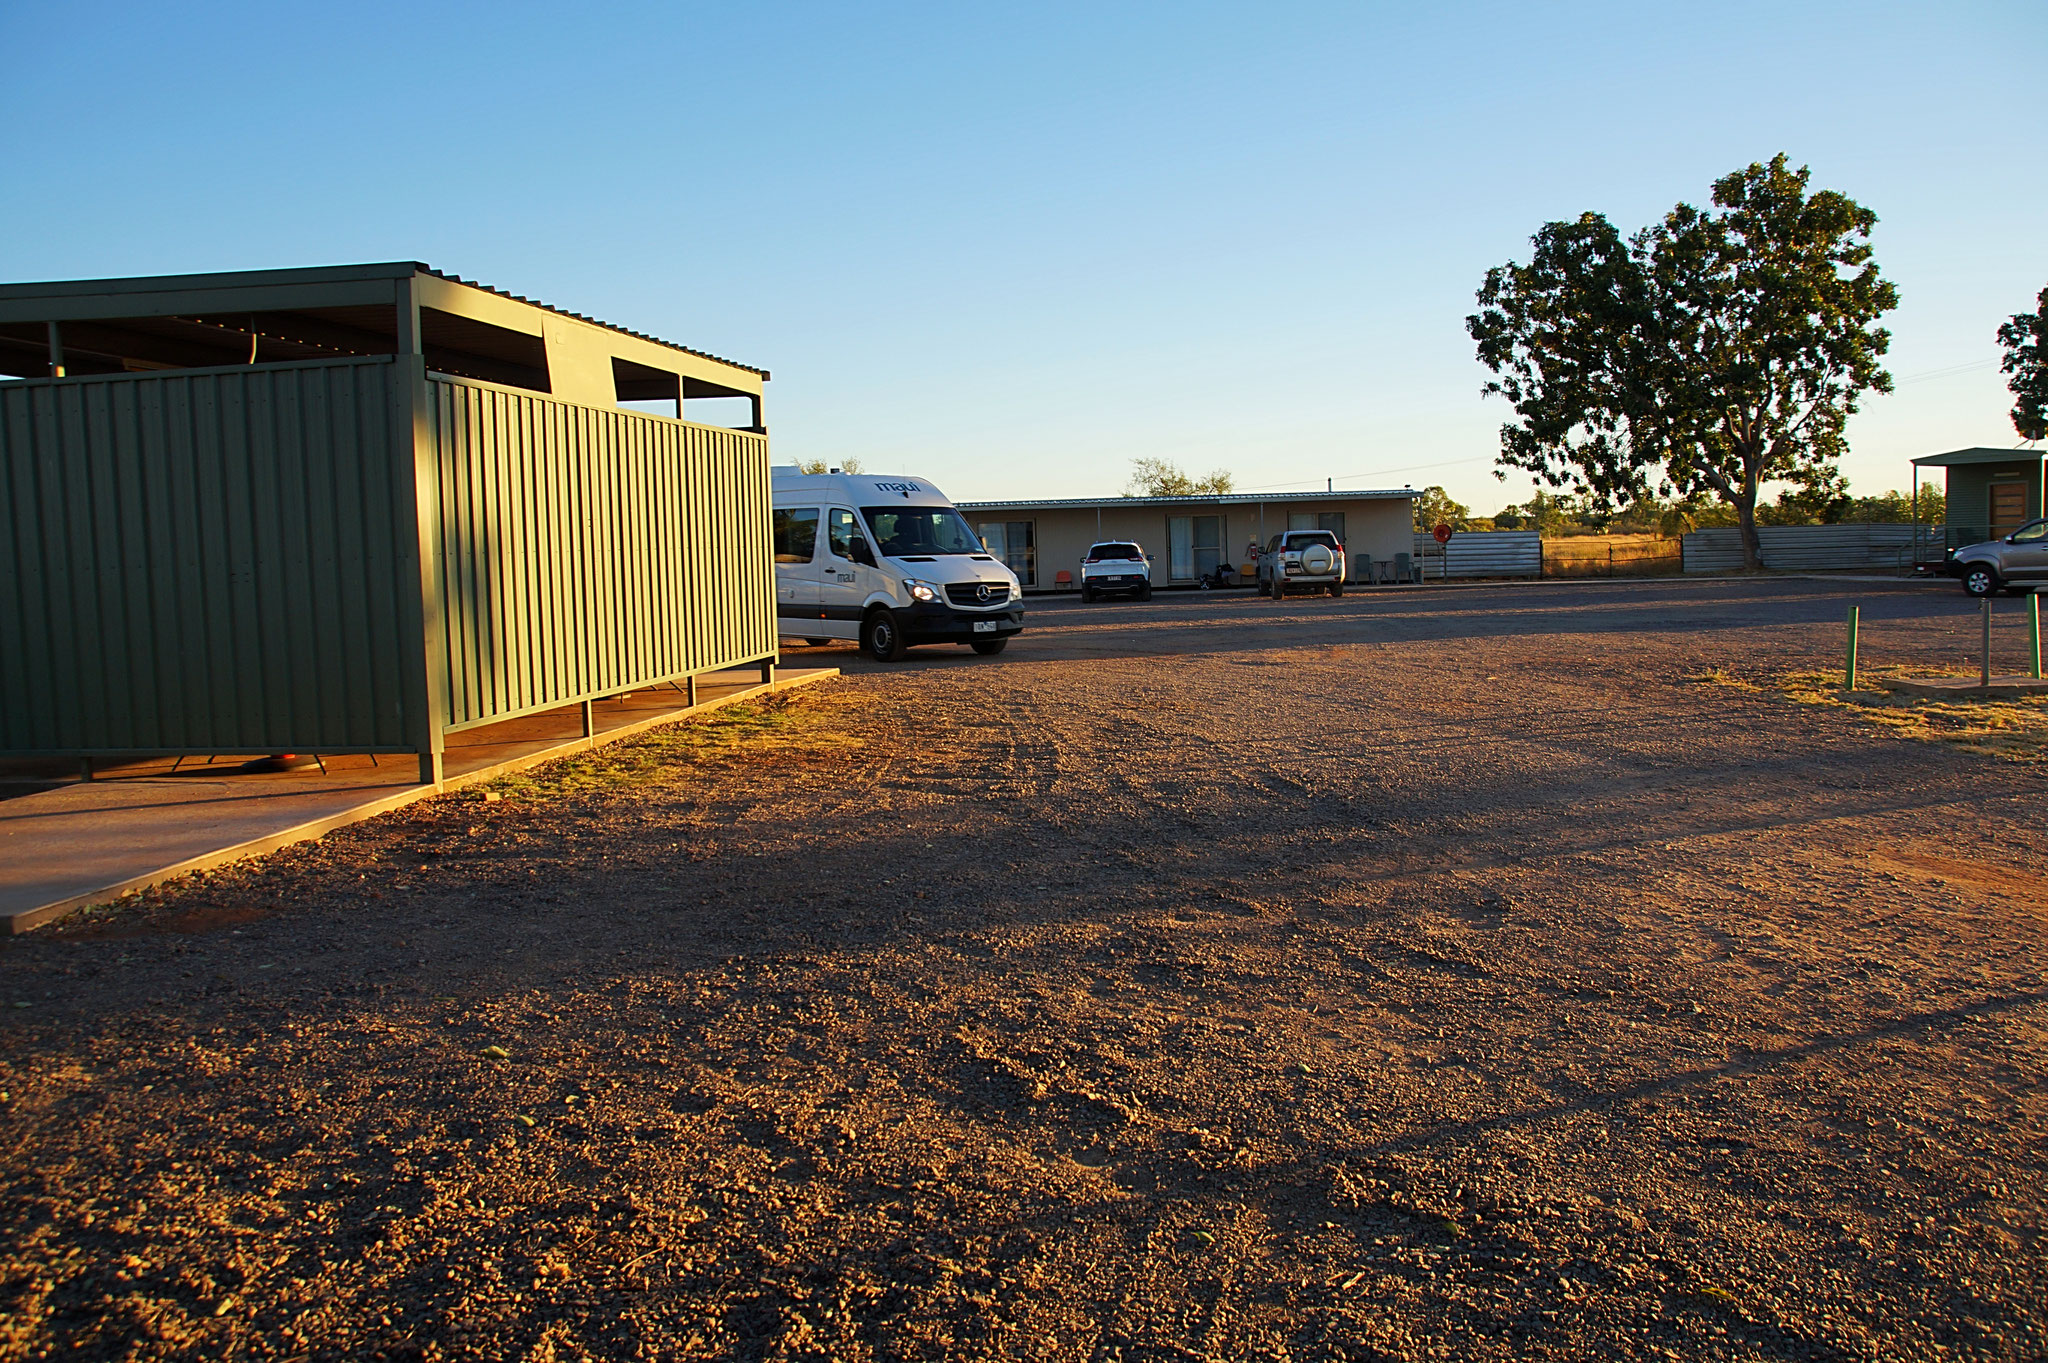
844,534
796,535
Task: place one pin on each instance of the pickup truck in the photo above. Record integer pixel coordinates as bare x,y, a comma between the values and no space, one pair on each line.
1116,568
2016,563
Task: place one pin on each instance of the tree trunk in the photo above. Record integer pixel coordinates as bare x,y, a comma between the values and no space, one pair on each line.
1745,519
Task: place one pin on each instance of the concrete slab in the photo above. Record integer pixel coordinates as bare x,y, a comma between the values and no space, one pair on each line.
147,821
1966,688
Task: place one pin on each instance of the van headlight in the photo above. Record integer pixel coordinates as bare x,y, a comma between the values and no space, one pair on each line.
920,590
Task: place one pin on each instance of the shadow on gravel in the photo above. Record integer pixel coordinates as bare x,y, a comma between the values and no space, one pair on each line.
1750,1063
1895,616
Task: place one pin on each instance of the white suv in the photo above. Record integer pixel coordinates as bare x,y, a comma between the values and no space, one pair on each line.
1309,560
1116,567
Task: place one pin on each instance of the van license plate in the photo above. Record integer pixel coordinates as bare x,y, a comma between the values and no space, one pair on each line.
984,627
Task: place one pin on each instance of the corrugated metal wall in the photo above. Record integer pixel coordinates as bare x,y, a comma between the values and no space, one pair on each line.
586,551
202,561
1802,548
1483,553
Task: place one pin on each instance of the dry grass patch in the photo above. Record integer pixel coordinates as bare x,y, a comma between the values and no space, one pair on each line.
789,723
2015,730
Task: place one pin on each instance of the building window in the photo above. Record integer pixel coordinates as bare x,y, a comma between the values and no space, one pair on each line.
1013,543
1194,547
1332,521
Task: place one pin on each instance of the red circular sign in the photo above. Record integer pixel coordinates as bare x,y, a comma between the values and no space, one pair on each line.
1442,533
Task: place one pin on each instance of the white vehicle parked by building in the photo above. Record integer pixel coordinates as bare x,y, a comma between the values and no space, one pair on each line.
887,561
1116,568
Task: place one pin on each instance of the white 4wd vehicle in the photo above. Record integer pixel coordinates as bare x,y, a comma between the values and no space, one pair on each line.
1302,560
1116,567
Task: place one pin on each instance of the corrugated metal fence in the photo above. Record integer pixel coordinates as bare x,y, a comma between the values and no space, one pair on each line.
586,551
228,560
201,561
1801,548
1482,553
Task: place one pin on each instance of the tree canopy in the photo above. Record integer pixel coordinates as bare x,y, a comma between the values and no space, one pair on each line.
1161,478
1434,507
1704,355
2025,338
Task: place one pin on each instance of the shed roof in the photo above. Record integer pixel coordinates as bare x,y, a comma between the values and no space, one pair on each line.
1979,454
67,299
1200,499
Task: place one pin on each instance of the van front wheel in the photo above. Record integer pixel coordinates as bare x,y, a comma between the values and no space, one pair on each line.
987,647
881,636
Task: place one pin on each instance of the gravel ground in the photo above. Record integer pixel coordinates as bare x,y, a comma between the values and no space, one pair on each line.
1465,974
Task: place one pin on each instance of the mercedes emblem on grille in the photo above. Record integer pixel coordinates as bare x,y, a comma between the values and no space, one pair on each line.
982,593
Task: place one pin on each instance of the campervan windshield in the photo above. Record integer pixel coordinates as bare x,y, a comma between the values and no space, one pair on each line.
903,531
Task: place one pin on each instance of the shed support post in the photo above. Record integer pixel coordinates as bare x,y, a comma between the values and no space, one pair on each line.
85,769
589,727
690,690
768,670
425,686
56,351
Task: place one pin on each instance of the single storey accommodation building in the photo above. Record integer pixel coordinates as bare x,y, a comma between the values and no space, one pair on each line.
1191,539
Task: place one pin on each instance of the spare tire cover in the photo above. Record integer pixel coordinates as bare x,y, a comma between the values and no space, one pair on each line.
1317,559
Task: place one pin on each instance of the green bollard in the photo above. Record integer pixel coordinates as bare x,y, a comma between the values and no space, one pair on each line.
2034,633
1849,671
1987,642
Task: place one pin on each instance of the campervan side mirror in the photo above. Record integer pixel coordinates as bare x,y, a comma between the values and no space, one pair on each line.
863,554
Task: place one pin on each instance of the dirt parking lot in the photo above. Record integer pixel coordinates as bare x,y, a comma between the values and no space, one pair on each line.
1473,974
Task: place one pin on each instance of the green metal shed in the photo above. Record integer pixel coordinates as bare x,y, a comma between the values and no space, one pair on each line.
355,509
1991,492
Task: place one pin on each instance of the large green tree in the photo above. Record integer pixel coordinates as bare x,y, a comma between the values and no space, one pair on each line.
1707,354
2025,339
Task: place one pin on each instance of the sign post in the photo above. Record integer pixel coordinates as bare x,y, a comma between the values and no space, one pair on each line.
1443,537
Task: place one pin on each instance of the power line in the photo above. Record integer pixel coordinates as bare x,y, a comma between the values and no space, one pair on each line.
1380,473
1944,373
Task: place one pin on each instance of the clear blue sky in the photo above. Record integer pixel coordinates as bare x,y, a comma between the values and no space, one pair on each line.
1012,248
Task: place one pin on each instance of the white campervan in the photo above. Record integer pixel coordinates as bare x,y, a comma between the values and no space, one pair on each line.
885,560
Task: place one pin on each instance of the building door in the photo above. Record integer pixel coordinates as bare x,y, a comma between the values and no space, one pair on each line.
1194,547
796,571
2008,508
1011,541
